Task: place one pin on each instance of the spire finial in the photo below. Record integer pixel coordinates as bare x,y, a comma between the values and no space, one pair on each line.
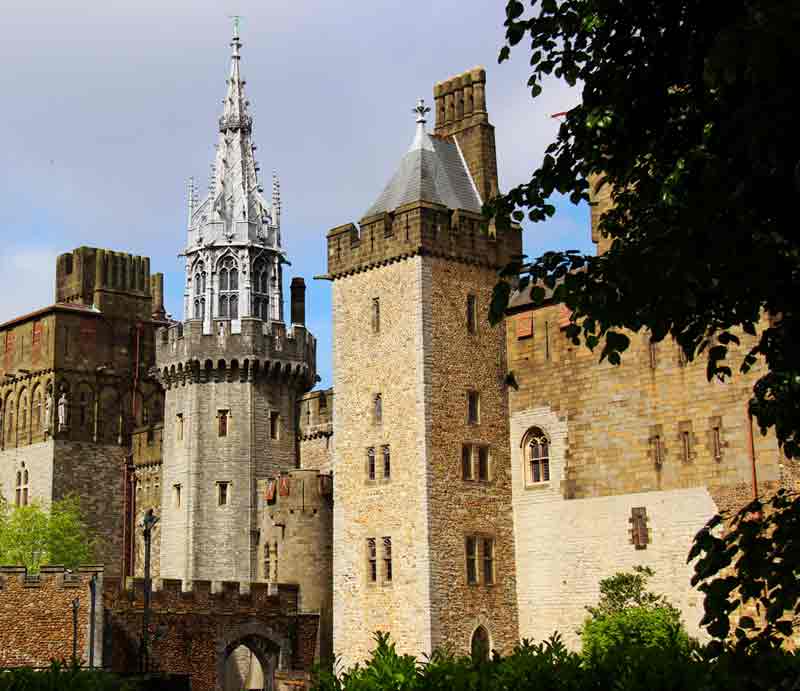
421,109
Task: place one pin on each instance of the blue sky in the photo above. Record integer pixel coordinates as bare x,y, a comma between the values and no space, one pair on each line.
109,106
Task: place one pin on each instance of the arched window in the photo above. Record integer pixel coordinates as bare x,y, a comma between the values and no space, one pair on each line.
228,289
199,290
537,456
23,412
480,645
36,416
260,288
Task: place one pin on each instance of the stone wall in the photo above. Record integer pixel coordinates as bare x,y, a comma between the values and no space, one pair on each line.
296,542
197,626
36,615
604,425
463,361
394,362
201,536
315,430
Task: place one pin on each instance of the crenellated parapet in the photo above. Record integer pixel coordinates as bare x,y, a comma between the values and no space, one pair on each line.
419,228
185,354
178,596
48,577
316,414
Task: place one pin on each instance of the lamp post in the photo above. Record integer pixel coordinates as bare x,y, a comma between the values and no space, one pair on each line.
148,522
75,604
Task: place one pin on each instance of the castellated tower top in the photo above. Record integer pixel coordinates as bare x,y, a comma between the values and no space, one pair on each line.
432,204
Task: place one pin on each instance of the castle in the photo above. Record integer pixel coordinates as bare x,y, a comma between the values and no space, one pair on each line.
460,484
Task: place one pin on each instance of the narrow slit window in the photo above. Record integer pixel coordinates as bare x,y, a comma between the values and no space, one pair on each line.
686,443
483,463
376,315
488,561
387,559
223,495
466,462
471,548
387,462
472,314
179,426
372,560
716,441
176,495
658,451
274,424
222,418
371,463
378,408
473,407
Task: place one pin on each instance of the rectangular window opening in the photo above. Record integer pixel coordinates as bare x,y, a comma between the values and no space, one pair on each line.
176,495
372,560
274,424
483,463
387,462
472,314
376,315
687,446
716,441
488,561
179,426
466,462
378,409
222,493
222,417
473,407
387,559
471,549
371,463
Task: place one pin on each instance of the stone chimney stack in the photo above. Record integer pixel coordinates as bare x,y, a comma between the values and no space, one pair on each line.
298,310
461,113
157,293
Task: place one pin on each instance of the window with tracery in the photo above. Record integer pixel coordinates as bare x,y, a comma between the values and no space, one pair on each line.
228,289
537,450
199,290
260,289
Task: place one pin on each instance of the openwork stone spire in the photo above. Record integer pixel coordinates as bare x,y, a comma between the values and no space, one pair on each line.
234,221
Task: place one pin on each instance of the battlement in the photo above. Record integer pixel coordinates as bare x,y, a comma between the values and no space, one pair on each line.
177,595
241,349
316,414
116,283
419,228
460,101
48,577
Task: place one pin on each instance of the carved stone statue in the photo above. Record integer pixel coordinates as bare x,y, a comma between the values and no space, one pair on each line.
62,411
48,411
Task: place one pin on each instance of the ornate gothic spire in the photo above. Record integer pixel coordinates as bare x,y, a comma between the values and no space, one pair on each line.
235,211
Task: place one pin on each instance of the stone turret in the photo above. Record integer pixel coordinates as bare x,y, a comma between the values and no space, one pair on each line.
233,370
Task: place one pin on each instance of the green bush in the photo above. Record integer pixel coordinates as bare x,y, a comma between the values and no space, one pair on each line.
61,677
549,666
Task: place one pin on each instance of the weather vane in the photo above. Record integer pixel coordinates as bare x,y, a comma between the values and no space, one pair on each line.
420,110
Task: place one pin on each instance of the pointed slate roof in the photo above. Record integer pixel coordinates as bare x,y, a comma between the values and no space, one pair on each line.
432,170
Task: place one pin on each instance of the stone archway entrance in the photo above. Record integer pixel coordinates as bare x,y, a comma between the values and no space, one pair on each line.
250,665
248,658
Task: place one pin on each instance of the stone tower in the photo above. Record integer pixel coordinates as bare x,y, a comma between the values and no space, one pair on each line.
233,370
423,532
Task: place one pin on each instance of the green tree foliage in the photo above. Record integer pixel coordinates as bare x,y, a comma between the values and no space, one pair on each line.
630,617
756,564
31,536
686,112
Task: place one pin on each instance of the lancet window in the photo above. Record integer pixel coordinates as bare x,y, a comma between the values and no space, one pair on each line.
228,289
260,289
199,291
